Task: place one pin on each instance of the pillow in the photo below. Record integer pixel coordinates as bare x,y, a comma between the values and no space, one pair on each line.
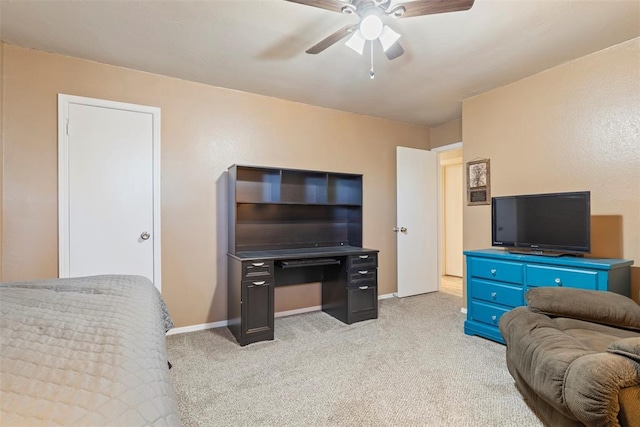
606,308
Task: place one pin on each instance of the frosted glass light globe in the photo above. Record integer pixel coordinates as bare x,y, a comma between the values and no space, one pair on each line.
371,27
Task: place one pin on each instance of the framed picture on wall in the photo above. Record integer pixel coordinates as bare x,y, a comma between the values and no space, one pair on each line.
478,182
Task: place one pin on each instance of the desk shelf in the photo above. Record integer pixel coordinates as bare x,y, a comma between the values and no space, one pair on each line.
257,185
282,208
303,187
270,185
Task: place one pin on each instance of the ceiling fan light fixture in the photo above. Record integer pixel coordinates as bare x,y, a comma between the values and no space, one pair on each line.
397,11
388,37
349,9
371,27
356,42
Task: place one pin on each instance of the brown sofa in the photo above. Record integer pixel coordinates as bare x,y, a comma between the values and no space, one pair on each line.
575,356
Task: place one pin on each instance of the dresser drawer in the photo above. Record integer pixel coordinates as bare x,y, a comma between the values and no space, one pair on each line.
363,276
487,313
539,275
256,268
503,271
363,261
511,296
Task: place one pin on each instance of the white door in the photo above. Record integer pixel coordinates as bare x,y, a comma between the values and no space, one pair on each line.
109,192
417,228
453,196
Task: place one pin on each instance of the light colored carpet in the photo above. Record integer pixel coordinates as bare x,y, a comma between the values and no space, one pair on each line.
411,366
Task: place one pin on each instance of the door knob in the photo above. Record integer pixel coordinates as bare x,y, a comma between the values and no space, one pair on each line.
400,229
145,235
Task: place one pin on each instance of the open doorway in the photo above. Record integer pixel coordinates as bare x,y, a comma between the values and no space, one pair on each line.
451,203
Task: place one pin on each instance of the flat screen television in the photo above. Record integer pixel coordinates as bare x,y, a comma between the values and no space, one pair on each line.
544,224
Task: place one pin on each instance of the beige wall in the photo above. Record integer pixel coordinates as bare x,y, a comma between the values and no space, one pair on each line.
1,147
573,127
452,191
446,133
205,129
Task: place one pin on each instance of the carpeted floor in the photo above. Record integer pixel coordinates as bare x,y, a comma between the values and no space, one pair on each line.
412,366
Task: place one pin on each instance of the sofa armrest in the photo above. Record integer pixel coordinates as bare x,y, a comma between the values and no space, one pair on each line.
593,384
581,384
606,308
541,354
627,347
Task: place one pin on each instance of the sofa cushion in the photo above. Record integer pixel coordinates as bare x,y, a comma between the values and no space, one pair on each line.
607,308
592,336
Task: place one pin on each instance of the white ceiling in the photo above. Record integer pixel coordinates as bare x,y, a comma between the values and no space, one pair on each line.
258,46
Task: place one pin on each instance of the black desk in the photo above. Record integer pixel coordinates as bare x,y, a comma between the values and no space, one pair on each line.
348,275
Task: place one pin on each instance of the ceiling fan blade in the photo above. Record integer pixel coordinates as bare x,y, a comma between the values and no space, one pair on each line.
332,5
332,39
394,51
429,7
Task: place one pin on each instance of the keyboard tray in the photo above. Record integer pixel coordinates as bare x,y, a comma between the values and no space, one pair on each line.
307,262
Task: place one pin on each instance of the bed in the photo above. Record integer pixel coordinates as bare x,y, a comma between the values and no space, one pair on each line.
85,351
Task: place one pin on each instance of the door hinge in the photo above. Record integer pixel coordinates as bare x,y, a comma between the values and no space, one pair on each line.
67,127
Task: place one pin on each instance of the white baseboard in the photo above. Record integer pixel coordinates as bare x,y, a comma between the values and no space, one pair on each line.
223,323
463,310
200,327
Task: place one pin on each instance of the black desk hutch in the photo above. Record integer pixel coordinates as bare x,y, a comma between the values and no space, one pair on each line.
289,227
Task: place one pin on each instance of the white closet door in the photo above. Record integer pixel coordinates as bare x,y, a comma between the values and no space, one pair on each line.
110,224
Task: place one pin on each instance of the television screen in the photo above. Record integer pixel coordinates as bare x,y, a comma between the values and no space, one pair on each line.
553,222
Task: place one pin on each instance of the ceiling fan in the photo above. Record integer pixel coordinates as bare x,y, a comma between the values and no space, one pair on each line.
371,26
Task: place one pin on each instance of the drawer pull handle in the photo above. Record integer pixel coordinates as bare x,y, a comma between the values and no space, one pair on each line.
364,288
494,271
494,295
257,264
494,317
363,256
558,281
363,271
260,283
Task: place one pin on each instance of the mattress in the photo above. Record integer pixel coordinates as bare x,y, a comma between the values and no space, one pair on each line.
85,351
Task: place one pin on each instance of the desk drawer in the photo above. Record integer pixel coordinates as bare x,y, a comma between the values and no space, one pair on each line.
362,303
503,271
256,268
511,296
487,313
363,261
363,276
538,275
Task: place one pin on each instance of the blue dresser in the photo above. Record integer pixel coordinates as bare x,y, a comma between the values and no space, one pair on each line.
498,280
